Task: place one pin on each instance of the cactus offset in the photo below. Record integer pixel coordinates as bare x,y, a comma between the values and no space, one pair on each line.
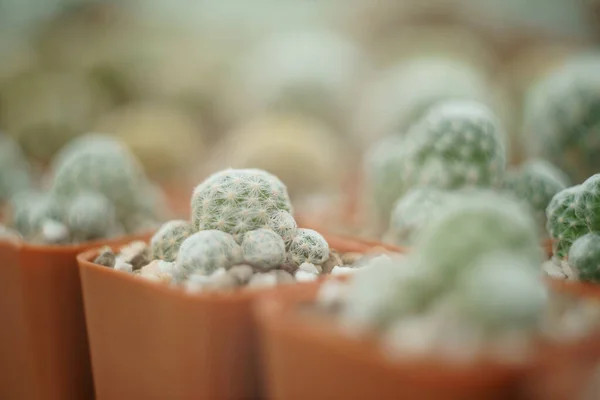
167,241
90,215
206,251
238,201
263,248
30,210
308,246
584,257
284,224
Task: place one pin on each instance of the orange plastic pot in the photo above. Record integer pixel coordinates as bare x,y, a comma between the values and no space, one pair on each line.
151,341
308,357
43,342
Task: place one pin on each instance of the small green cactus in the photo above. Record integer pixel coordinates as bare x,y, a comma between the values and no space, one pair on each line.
562,118
15,171
456,144
572,213
308,246
206,251
90,215
237,201
584,257
536,182
167,241
31,209
502,291
284,224
263,249
412,212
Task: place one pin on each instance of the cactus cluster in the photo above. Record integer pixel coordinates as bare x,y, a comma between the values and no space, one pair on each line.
562,118
456,144
15,171
167,240
572,213
490,276
97,190
535,183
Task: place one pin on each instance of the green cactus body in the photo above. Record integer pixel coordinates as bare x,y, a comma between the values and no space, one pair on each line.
584,257
90,216
30,210
456,144
565,223
206,251
562,118
114,174
308,246
471,225
284,224
85,142
588,203
167,241
237,201
263,248
536,183
15,172
412,212
502,291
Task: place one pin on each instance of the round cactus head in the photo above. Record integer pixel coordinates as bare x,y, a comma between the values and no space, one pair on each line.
238,200
562,118
92,140
584,257
31,209
15,172
308,246
456,144
263,248
166,242
472,225
104,169
536,182
412,212
206,251
567,219
284,224
502,291
90,215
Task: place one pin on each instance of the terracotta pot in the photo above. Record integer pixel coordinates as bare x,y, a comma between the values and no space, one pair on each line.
151,341
309,357
43,342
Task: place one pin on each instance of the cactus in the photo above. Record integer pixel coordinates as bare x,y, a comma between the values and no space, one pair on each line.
584,257
15,172
412,212
472,225
114,174
207,251
167,241
284,224
536,182
572,213
502,291
562,117
87,141
308,246
237,201
90,215
263,248
30,210
456,144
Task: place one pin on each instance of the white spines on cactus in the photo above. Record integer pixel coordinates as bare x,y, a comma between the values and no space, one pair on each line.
308,246
284,224
502,291
207,251
114,173
584,257
90,215
562,121
412,212
564,223
94,140
456,144
263,249
30,210
536,182
166,242
238,200
15,171
472,225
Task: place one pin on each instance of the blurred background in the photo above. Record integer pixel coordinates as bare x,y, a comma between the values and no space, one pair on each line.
299,88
